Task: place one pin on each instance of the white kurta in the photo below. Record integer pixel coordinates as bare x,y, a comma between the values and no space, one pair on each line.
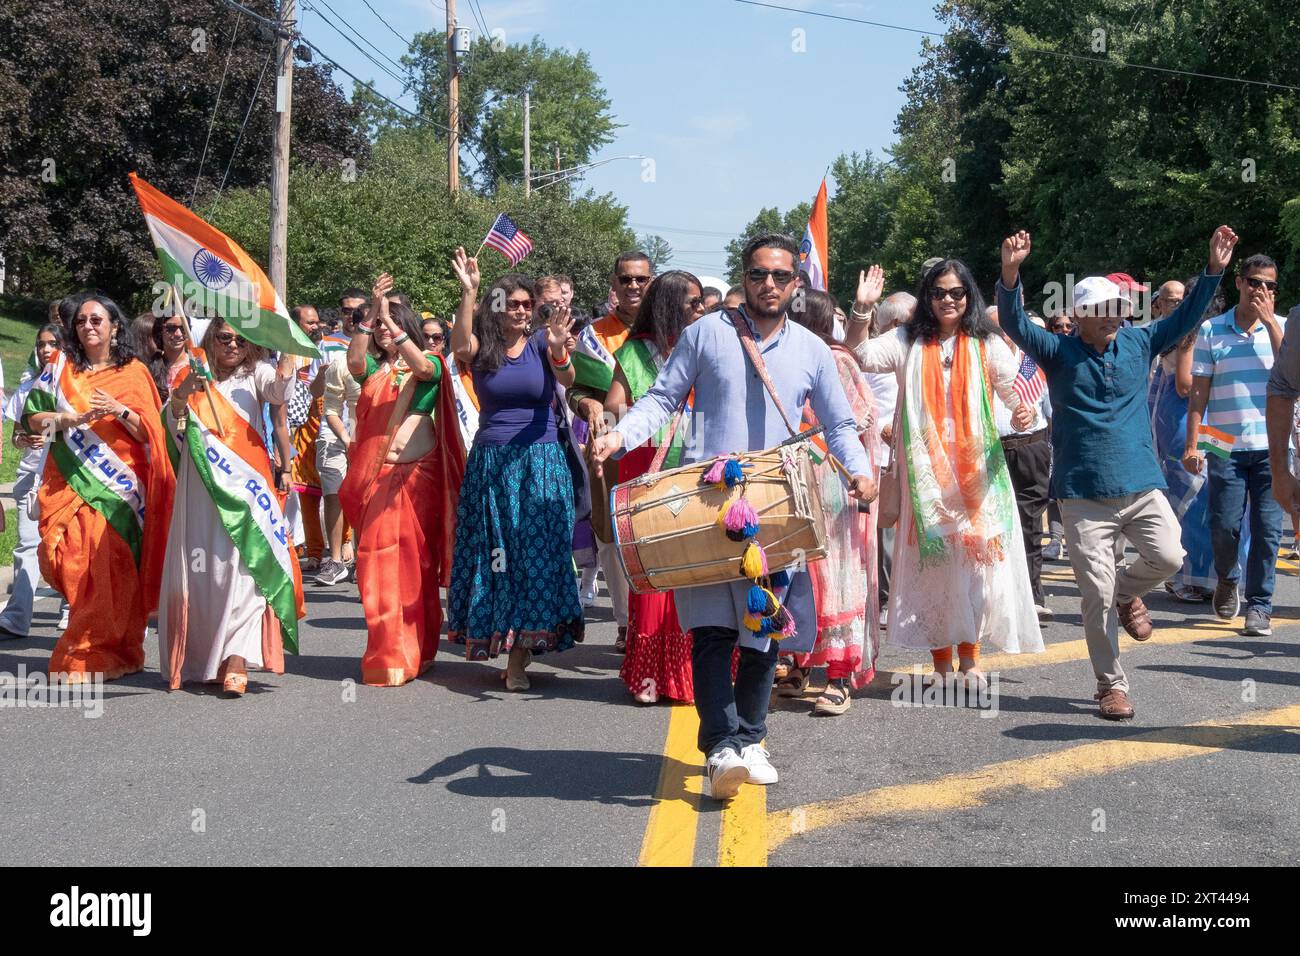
209,598
956,601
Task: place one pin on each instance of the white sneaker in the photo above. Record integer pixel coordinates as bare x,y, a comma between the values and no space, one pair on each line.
63,618
760,768
727,771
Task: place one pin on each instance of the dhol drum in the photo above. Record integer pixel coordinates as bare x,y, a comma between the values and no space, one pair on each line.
665,523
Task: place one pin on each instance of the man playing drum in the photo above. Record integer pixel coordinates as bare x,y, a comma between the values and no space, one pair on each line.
735,414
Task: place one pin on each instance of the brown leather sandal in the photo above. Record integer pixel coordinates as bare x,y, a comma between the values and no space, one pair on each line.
1135,619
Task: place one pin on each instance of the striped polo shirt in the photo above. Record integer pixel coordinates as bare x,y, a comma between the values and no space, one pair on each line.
1238,365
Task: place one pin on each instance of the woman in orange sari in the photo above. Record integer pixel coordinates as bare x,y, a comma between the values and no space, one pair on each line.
106,495
405,466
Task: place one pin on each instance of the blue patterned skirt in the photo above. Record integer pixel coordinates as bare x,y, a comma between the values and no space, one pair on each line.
512,570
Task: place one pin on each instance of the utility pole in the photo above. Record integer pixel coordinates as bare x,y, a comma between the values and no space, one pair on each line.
280,149
528,151
453,103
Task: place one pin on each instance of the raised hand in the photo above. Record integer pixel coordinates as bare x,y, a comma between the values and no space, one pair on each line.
558,328
1222,243
1015,249
871,285
466,269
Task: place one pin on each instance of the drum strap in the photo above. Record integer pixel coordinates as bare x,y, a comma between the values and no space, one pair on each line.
750,345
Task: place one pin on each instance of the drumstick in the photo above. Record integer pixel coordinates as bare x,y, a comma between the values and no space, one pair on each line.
809,433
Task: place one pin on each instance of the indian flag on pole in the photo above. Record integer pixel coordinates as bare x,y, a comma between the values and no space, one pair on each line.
210,269
1215,442
813,249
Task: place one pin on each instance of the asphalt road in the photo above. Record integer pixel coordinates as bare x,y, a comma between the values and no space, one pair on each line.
310,768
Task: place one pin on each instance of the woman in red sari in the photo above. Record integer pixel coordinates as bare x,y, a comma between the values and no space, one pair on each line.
405,467
106,492
658,661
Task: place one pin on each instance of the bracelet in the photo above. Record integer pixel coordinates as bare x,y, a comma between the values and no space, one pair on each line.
862,317
404,337
560,365
365,329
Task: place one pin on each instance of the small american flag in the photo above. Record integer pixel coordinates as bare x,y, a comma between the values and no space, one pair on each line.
1029,383
506,238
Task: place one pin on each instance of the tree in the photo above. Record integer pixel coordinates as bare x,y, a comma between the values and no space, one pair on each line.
793,223
94,89
569,107
395,217
658,249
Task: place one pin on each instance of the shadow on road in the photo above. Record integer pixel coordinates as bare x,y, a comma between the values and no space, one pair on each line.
1248,738
625,779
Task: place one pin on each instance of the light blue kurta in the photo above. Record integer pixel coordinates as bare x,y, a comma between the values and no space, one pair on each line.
734,413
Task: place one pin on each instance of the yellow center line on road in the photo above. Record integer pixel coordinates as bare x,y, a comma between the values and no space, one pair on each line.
670,835
743,841
1043,772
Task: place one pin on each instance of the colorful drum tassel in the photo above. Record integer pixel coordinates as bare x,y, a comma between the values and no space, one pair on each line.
713,474
740,521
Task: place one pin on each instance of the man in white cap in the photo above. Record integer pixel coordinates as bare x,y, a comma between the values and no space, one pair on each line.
1104,468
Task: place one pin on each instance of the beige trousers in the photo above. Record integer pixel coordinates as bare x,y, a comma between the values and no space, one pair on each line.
615,581
1093,527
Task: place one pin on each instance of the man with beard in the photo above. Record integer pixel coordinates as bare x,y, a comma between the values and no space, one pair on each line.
593,362
710,358
301,415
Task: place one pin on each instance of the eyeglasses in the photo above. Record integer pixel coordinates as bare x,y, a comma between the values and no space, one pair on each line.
956,294
1257,283
226,338
628,280
173,330
94,321
512,304
696,302
436,337
781,277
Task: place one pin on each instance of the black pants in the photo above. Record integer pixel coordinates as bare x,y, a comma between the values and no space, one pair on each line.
884,562
1029,466
730,717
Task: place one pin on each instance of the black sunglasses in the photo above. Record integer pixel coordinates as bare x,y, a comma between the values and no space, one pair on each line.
956,294
628,280
225,338
1257,283
779,276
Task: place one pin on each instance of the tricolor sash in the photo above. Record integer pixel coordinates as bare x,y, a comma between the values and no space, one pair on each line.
642,362
593,357
462,390
232,463
100,461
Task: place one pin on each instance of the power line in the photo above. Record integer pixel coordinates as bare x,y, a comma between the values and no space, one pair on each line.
363,38
212,121
1041,51
387,24
693,232
243,126
377,64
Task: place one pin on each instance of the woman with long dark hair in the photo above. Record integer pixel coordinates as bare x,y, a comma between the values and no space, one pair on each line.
959,531
236,609
845,583
658,661
405,468
106,494
512,584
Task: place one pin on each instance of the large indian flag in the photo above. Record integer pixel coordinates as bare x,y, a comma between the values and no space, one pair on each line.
210,269
813,249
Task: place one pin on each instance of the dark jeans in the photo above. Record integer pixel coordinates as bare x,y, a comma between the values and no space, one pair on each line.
884,561
1030,466
1233,481
730,717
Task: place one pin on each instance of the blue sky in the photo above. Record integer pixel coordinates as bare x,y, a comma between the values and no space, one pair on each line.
714,91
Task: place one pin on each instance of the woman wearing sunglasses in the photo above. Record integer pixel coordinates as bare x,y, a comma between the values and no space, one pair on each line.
959,531
658,662
221,612
405,467
106,492
512,583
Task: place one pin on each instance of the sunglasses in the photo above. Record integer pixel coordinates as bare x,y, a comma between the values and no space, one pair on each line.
696,302
957,294
226,338
173,330
779,276
512,304
436,337
628,280
94,321
1256,283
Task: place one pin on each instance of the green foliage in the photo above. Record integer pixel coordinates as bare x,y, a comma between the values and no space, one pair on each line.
397,217
569,109
793,223
658,249
47,278
1111,168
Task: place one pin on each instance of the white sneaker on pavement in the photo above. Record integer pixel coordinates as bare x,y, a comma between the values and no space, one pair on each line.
760,768
727,771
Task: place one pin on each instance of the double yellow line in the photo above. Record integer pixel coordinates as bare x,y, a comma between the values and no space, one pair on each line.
749,833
